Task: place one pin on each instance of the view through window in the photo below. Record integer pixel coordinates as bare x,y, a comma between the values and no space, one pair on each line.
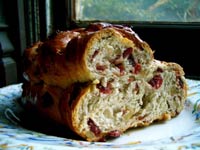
138,10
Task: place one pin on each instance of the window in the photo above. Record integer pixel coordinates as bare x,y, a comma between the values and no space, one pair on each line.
148,11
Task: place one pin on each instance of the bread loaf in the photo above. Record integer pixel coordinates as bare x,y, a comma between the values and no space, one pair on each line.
101,81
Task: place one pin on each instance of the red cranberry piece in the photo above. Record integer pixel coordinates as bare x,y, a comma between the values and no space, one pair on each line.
127,52
105,90
103,139
137,68
93,127
156,81
114,133
121,68
96,52
159,70
101,67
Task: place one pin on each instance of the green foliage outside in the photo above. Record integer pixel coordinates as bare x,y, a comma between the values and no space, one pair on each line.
139,10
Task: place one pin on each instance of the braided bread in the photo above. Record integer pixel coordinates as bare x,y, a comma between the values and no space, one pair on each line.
101,81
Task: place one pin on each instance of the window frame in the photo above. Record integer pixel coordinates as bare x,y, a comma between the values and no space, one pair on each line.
72,22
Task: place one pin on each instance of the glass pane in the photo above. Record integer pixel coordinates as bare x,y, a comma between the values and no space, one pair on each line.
138,10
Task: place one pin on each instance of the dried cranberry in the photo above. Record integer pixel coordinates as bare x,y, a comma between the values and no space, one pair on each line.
156,81
93,127
96,52
127,52
137,68
121,68
105,90
101,67
103,139
114,133
159,70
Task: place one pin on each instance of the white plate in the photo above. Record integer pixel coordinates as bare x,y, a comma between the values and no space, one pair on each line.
182,132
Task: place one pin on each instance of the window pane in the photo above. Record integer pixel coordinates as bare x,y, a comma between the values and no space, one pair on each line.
138,10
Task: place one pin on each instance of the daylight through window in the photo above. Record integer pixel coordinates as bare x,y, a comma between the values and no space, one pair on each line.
138,10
